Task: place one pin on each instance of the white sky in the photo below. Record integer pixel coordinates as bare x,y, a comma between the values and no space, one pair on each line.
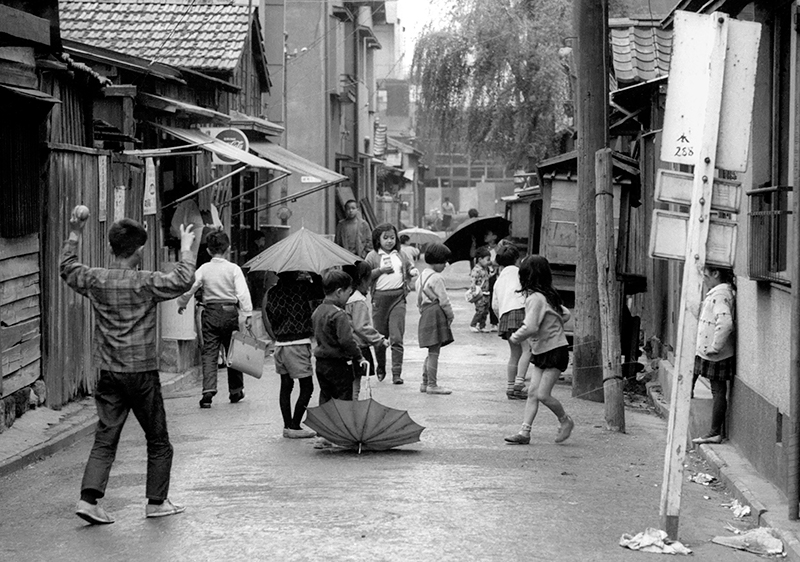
414,14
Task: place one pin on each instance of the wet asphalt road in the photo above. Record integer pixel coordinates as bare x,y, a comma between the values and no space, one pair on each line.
460,494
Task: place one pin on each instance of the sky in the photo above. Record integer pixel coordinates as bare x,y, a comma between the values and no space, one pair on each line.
414,14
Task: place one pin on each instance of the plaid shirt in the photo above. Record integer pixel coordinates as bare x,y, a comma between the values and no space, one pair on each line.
124,302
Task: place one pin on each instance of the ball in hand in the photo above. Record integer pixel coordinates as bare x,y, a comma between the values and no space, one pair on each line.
82,212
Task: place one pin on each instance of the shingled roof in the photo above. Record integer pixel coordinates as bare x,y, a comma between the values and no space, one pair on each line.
205,37
641,50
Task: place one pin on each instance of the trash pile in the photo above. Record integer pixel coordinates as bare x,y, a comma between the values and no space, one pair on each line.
653,540
763,541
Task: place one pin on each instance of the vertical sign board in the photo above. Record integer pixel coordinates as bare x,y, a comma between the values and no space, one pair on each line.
102,175
149,187
706,125
684,114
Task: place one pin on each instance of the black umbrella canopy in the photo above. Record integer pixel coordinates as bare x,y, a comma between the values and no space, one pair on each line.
460,242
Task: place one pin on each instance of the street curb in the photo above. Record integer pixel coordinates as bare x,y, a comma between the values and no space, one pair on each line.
76,433
735,484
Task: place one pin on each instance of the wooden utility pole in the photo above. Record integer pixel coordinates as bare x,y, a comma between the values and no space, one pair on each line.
608,289
591,107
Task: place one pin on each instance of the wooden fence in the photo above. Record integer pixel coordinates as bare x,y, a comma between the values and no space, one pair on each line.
67,319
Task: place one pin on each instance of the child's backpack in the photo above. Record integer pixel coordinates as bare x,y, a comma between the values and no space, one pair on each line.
473,294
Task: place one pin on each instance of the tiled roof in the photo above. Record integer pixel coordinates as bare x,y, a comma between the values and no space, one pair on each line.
206,37
640,53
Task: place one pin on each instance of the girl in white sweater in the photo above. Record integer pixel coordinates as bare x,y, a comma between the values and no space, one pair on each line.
544,325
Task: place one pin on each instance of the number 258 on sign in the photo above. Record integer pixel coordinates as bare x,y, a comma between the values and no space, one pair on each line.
684,151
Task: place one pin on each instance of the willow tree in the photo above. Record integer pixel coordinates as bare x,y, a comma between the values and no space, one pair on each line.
490,78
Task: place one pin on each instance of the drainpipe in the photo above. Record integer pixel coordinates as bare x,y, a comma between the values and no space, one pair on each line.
794,372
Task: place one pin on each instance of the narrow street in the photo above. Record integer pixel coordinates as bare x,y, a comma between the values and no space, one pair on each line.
460,494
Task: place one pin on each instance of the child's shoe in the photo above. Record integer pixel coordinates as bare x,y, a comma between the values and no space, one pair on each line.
205,401
423,387
436,389
397,379
518,439
474,329
565,430
514,395
710,438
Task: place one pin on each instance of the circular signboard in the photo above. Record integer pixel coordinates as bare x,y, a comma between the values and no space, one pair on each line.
233,137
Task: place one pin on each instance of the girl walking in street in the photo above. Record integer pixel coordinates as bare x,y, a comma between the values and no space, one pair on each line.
714,354
391,272
509,305
436,316
544,325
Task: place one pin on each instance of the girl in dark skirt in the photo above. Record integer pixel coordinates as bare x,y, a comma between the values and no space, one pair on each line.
509,305
436,316
544,325
714,354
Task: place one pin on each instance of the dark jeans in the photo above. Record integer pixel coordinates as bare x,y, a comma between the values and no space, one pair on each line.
285,400
335,378
389,318
481,311
719,406
116,395
219,323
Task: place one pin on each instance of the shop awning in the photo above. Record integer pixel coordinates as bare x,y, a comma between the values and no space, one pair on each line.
170,105
309,172
31,94
219,147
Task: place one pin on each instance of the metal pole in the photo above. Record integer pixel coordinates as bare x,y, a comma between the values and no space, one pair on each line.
199,189
249,191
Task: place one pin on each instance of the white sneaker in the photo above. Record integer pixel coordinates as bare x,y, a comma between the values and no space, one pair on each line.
474,329
92,513
298,433
438,390
166,508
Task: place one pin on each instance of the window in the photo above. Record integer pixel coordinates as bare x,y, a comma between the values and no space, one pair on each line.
769,214
774,163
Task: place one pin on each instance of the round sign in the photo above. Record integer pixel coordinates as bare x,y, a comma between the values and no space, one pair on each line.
233,137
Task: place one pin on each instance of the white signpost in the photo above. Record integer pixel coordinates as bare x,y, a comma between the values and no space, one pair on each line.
706,124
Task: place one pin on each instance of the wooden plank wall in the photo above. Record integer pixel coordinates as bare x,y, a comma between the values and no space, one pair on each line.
20,315
68,323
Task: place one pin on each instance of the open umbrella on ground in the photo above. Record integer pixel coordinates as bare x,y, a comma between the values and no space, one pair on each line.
363,424
421,236
302,251
460,242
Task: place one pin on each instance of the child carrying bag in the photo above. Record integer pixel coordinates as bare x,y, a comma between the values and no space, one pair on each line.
246,354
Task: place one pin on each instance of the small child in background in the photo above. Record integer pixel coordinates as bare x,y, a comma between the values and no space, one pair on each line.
286,313
715,359
225,292
544,325
479,276
490,239
509,305
436,316
358,311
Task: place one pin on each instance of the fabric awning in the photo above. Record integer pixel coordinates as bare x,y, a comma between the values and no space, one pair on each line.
310,172
219,147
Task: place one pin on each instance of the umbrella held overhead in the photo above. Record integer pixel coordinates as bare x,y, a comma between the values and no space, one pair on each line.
472,231
302,251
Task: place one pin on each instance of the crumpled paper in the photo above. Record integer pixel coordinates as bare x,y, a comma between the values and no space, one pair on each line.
702,478
653,540
738,509
762,541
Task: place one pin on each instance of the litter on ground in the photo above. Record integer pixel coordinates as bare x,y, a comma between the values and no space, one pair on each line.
738,509
653,540
762,541
702,478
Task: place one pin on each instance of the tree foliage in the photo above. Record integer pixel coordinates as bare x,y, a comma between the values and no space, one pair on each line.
490,79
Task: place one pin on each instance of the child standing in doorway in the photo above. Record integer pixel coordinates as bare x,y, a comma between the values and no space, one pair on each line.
358,311
509,305
715,359
436,316
479,276
544,325
225,292
391,273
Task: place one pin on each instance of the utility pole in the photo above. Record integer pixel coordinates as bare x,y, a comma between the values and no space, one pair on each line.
591,105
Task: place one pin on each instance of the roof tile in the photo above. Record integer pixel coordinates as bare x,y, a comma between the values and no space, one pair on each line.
640,53
175,32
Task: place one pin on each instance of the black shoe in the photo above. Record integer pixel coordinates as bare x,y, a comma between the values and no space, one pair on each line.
397,380
205,401
381,375
237,397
